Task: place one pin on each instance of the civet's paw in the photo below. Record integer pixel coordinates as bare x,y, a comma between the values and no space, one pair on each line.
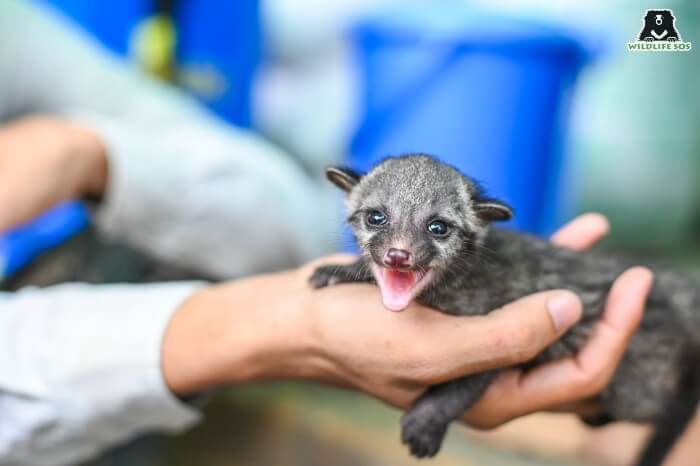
422,432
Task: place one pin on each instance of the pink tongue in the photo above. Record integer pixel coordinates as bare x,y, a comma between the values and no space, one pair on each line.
396,288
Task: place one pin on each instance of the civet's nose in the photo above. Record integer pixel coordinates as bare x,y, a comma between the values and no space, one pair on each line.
398,258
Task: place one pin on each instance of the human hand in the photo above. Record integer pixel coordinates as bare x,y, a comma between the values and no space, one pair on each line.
274,326
277,327
44,161
571,384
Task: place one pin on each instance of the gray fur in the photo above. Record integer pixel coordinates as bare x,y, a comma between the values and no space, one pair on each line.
478,269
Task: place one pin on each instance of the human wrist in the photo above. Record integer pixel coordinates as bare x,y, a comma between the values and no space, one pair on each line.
191,350
76,150
272,329
89,156
238,333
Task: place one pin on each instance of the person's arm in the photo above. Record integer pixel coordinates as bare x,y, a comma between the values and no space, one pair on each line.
80,370
175,181
344,337
86,367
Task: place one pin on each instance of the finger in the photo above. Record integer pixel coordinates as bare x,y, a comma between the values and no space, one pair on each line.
588,407
504,401
582,232
584,375
510,335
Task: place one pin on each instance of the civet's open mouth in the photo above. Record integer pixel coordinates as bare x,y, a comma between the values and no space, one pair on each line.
399,286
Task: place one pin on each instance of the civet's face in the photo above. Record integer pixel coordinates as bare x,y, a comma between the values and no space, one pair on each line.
413,217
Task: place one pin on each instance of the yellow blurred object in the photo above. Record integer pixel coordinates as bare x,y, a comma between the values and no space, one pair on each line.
153,46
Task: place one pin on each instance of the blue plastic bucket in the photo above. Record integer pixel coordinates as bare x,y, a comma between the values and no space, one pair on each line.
486,93
110,22
219,52
218,46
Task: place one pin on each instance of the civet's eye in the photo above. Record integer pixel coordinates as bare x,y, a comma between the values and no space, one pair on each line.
438,228
376,218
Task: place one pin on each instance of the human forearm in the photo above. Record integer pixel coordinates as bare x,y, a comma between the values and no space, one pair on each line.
45,161
89,156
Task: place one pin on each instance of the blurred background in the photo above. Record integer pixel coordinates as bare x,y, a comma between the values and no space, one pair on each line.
538,100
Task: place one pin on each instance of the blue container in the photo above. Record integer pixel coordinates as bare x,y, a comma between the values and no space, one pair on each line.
21,245
110,22
218,54
487,93
218,44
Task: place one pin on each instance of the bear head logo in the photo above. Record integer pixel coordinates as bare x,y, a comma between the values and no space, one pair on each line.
658,25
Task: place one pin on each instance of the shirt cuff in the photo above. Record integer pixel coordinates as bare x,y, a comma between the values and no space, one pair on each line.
131,175
181,192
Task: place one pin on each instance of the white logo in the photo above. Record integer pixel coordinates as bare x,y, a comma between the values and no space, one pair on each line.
659,34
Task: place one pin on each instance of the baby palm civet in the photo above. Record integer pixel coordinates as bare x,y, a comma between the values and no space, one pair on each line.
424,233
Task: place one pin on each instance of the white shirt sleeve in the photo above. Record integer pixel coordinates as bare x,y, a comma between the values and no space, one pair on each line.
80,370
183,186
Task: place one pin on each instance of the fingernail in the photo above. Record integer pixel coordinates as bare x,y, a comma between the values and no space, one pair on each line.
564,309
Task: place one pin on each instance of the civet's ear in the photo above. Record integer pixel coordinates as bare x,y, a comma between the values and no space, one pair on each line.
492,210
343,177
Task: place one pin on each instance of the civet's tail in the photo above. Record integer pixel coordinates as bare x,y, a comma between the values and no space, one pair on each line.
676,417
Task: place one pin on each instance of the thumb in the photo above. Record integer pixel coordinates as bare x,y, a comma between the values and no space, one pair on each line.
518,331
